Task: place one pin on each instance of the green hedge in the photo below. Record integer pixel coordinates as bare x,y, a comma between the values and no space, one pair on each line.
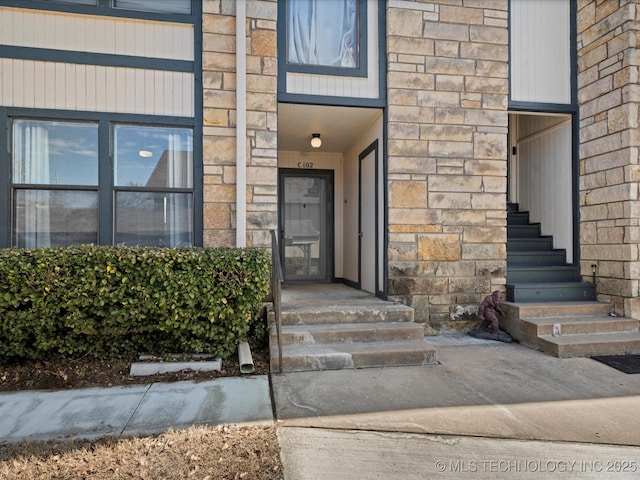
104,301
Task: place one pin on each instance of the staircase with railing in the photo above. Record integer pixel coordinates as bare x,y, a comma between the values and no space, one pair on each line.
548,305
333,327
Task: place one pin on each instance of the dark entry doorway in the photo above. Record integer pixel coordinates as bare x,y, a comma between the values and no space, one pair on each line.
306,225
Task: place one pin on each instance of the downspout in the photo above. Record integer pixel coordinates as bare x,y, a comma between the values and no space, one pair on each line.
244,357
241,123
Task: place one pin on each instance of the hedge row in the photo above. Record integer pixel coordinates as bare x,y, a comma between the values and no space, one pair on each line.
103,301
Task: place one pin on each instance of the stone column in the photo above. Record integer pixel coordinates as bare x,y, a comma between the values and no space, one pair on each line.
447,155
608,96
219,80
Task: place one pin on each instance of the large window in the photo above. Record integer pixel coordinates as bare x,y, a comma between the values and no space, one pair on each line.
325,34
55,177
60,189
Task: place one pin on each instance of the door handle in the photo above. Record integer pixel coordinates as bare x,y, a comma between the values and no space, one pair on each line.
360,234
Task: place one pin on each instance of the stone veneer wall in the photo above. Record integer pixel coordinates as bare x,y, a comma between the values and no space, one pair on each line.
447,155
608,95
219,80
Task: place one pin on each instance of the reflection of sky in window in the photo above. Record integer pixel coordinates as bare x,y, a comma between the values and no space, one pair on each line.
71,152
139,149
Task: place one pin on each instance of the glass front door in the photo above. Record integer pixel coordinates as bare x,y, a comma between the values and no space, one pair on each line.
306,225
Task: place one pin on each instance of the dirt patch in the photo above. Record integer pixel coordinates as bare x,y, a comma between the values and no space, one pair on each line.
203,453
91,372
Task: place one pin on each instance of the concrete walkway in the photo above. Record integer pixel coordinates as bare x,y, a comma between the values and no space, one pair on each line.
140,409
488,410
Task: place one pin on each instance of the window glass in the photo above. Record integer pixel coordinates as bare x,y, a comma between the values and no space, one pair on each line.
154,157
323,32
55,153
55,218
154,219
77,2
165,6
57,196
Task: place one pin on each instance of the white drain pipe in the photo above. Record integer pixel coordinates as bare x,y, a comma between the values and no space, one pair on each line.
241,123
244,357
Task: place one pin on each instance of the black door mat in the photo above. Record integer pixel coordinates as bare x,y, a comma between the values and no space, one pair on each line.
624,363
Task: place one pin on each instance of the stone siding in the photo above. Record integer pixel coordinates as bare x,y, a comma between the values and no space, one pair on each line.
219,132
608,95
447,155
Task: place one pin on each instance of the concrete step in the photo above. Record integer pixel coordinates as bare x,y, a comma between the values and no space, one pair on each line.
556,309
551,292
583,324
589,344
338,356
533,258
522,320
351,312
530,244
552,273
349,333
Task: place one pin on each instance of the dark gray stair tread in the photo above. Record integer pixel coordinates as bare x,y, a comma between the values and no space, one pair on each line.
352,332
329,356
540,292
542,274
533,258
533,286
523,231
530,244
517,218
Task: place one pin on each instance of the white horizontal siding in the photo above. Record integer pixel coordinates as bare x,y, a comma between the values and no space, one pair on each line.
95,34
339,86
36,84
540,51
545,182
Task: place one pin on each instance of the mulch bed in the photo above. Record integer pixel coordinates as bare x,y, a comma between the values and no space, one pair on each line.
91,372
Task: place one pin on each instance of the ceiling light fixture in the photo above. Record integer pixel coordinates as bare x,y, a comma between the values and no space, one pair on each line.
316,142
145,153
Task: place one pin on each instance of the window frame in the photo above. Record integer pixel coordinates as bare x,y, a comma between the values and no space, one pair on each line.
360,71
103,7
105,187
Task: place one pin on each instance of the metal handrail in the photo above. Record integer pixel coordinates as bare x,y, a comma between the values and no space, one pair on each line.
276,291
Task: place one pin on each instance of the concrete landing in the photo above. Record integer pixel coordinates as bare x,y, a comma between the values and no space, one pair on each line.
481,389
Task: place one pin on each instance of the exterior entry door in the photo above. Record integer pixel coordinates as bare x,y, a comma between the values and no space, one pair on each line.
367,221
306,225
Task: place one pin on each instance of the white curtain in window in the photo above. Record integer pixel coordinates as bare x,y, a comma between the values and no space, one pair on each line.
322,32
31,166
179,175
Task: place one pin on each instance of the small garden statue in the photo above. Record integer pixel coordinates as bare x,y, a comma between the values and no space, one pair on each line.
489,327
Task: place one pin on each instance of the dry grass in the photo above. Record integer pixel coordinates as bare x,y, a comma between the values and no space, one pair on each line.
199,453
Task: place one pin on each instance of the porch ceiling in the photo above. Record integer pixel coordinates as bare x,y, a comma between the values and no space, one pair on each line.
339,127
